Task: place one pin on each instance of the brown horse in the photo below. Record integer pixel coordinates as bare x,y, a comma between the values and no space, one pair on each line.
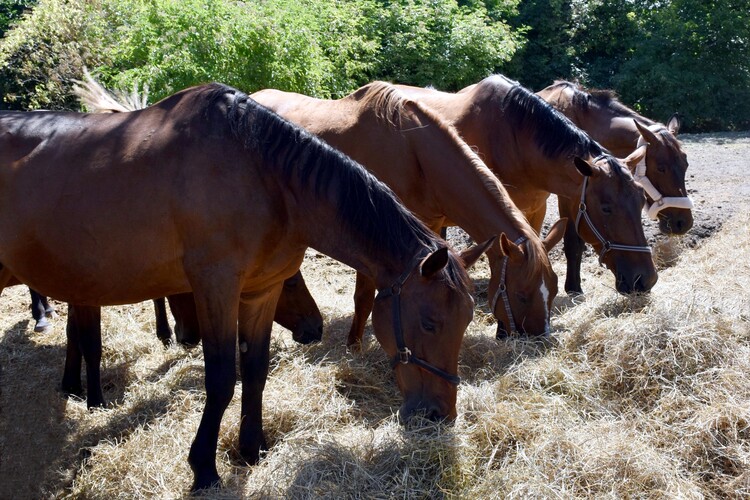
441,180
296,310
622,130
208,192
535,151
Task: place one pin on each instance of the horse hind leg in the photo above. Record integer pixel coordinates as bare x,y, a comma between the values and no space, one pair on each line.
163,332
39,307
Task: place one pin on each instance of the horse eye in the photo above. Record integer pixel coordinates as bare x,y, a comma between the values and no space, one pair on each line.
607,209
522,298
661,168
428,326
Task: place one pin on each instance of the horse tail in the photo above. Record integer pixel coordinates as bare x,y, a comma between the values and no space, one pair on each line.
97,99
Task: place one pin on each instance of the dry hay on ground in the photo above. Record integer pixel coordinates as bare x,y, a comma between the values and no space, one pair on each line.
647,397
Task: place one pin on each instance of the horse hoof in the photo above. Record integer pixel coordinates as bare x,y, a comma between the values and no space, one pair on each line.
42,326
205,482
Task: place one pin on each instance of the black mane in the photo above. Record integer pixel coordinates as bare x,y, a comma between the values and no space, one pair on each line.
365,206
554,133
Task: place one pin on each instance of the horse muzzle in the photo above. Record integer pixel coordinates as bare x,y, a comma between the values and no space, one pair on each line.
675,221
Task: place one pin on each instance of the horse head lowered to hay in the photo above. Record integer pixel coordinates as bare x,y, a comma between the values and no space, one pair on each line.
621,130
535,151
439,178
210,192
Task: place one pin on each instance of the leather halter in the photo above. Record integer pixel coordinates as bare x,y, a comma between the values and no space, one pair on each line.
502,291
606,244
660,201
404,355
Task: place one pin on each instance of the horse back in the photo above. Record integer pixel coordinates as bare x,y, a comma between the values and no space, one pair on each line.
106,201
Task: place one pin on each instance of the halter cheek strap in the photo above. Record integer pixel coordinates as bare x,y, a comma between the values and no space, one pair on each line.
606,244
660,202
404,354
502,291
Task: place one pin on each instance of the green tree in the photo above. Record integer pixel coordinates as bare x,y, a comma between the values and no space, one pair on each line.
692,56
546,54
442,44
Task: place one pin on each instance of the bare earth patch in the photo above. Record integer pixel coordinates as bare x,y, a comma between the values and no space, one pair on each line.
631,397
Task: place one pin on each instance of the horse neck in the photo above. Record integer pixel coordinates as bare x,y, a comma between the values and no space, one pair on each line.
611,127
466,190
320,226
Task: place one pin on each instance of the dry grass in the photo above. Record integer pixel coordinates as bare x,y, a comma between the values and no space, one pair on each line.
641,397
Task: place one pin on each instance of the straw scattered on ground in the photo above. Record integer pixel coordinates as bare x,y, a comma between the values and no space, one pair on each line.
631,397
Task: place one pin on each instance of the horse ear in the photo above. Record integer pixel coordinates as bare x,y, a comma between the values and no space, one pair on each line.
635,158
555,234
584,167
471,255
509,248
647,135
434,262
674,123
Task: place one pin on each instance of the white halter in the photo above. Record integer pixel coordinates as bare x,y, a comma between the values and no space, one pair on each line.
660,202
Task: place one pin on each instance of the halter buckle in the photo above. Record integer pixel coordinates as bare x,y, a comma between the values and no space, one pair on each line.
404,355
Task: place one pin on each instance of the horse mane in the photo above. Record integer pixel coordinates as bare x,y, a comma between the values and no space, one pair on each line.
385,99
390,104
552,131
364,205
586,98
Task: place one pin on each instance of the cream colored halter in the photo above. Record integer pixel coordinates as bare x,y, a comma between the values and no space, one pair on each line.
660,202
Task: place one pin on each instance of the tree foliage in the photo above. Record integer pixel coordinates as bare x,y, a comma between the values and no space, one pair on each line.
691,56
318,47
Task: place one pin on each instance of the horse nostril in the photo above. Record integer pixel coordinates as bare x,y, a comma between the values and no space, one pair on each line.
433,414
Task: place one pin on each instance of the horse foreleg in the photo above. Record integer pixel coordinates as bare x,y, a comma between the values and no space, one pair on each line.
84,334
364,298
573,247
216,302
255,322
163,332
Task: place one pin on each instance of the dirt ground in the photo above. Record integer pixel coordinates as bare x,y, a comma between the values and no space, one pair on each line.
716,181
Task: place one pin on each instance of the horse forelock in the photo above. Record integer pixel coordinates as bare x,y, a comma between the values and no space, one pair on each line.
617,168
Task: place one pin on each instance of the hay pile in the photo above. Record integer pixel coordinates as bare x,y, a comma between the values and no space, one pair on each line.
641,397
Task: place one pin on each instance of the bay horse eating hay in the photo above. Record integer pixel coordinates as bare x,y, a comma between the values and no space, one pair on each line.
661,169
535,151
622,130
439,178
209,191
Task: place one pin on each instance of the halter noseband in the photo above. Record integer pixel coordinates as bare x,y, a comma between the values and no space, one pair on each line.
502,290
404,354
660,202
606,244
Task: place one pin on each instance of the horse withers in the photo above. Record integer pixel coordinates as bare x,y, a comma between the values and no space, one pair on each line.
208,192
